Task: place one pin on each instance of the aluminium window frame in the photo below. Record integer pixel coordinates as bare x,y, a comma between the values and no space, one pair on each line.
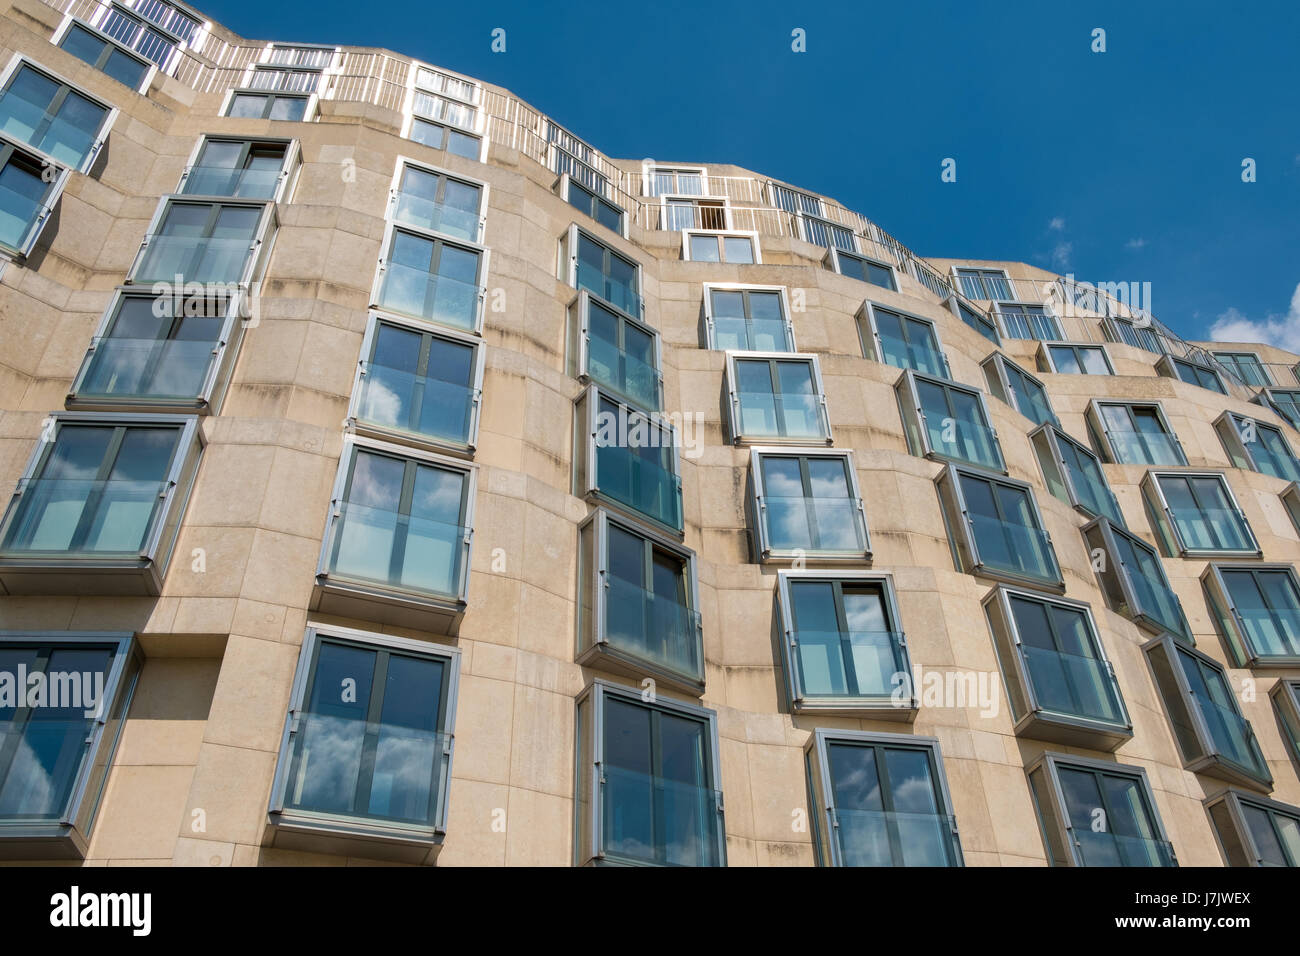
100,136
832,262
876,352
721,234
1231,367
1286,705
565,183
290,165
955,302
1154,494
395,190
766,553
909,399
409,118
1229,804
1006,278
309,113
1223,609
1048,362
1096,423
653,170
1121,596
1001,316
579,320
568,264
340,833
995,375
1265,399
1168,366
1114,326
65,27
1226,427
484,253
731,382
1052,438
744,287
10,147
260,246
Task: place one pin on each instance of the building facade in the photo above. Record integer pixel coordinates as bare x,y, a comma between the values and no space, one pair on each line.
397,478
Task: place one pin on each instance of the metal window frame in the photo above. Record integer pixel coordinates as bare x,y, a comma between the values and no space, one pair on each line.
771,186
1000,385
563,188
1006,277
1232,366
892,707
1002,321
355,423
290,165
721,234
909,400
668,200
476,88
952,499
309,113
1290,496
651,170
742,287
9,147
409,118
595,695
1097,423
1231,800
1117,585
1113,326
1286,703
829,225
391,228
955,303
1046,358
758,496
821,787
69,21
1230,435
260,245
730,382
1053,436
1051,763
1224,610
98,137
568,270
1155,495
342,833
832,262
1168,366
395,189
876,351
1265,399
579,316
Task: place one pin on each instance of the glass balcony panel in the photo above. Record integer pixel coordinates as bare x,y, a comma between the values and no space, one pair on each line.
417,404
1112,849
1072,685
432,553
920,356
19,211
1144,448
241,183
814,524
1157,602
965,441
441,217
148,368
640,484
848,663
1211,529
1014,548
750,335
1231,735
411,291
50,750
652,627
765,415
612,290
194,258
893,838
654,820
609,365
108,516
1272,633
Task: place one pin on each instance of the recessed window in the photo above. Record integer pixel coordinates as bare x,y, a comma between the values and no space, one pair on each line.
1196,514
827,234
431,199
1194,373
679,213
1258,611
977,319
1073,474
596,206
366,772
1136,334
615,351
417,384
397,539
638,603
944,420
747,318
238,169
282,80
793,200
901,340
1027,321
1133,579
1017,388
776,397
647,781
704,246
59,736
677,181
1286,701
1284,401
98,508
1133,433
29,188
860,267
1212,735
879,800
1070,359
53,117
1245,367
1255,831
206,242
448,138
1061,686
105,55
808,506
1257,446
986,284
273,106
594,266
843,646
570,156
428,277
627,458
995,528
1095,813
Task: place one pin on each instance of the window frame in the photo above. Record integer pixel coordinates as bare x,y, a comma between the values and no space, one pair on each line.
1116,326
563,188
1118,588
731,384
1048,360
290,165
98,138
1006,278
833,263
569,265
1170,366
1223,609
1238,449
255,261
1050,441
955,303
918,436
1246,850
1154,494
1001,314
653,170
1266,399
995,375
1232,366
395,191
1096,423
579,322
70,21
720,235
1286,705
766,553
309,112
484,253
10,148
744,287
876,351
410,117
344,834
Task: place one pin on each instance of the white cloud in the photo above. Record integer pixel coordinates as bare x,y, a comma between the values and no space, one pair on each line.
1061,254
1136,243
1282,331
1057,224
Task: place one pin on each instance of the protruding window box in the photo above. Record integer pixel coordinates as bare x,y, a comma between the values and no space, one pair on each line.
1286,700
1212,736
30,187
99,506
223,243
435,200
587,263
1017,388
776,398
426,276
1134,433
901,339
1257,446
975,317
1073,474
52,116
397,541
615,351
1284,401
1196,515
1070,358
1255,831
843,646
1257,607
947,422
1061,686
366,774
56,751
718,245
996,529
807,506
1133,579
591,202
638,610
1194,373
861,267
747,318
105,54
235,168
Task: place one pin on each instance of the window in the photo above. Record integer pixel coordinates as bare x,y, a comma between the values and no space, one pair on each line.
1255,831
808,506
1131,433
638,603
571,156
29,188
627,458
879,800
306,57
1073,474
105,55
205,242
417,384
1284,401
99,506
594,266
1286,701
1194,373
396,546
440,109
737,248
1139,335
1212,735
776,397
986,284
901,340
431,199
747,318
944,420
440,136
457,87
1133,580
860,267
157,46
1245,367
274,106
1291,502
678,213
282,80
615,351
792,200
829,235
1095,813
429,277
1075,359
239,169
366,773
995,528
1027,321
1195,514
1017,388
1257,607
1060,684
677,181
49,115
56,750
977,319
646,782
590,204
843,646
161,351
1257,446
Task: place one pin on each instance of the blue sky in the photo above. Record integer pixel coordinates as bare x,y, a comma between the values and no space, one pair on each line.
1117,166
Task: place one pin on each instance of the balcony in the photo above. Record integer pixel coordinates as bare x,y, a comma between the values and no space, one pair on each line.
1101,848
618,293
623,372
789,417
416,292
1144,448
651,820
815,525
918,356
637,483
651,628
966,441
1013,549
424,213
232,182
856,673
418,406
893,838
